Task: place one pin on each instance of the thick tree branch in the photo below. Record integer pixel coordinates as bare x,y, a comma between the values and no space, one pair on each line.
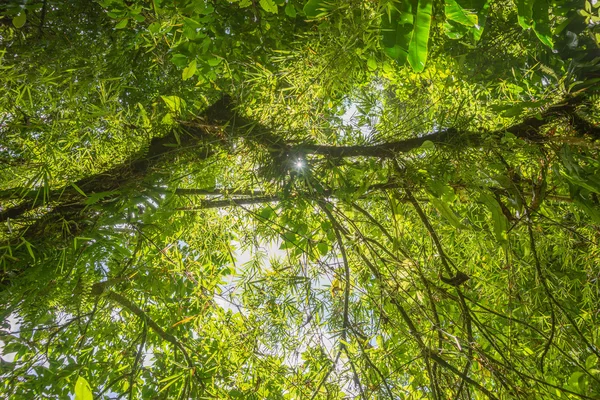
160,150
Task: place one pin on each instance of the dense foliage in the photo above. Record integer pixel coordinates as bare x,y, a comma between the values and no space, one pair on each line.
292,199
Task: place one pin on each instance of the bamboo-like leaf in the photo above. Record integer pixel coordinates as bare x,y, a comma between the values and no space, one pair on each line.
500,221
78,189
417,50
183,321
446,212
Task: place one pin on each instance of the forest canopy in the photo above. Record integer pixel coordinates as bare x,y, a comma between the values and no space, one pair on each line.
300,199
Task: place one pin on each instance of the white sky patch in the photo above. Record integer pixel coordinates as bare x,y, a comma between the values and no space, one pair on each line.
350,118
227,299
15,326
148,358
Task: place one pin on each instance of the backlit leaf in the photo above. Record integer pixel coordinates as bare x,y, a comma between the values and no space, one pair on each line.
189,71
455,12
269,6
83,391
418,48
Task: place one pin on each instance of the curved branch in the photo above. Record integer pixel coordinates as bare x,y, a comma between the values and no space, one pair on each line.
102,288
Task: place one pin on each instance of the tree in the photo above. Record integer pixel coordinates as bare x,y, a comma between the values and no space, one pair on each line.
299,199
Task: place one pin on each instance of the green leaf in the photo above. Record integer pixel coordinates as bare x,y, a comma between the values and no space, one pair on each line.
266,213
314,8
513,111
179,60
78,189
19,20
290,10
174,103
269,6
96,197
591,361
122,23
428,145
541,22
481,7
83,391
446,212
417,50
454,12
372,64
29,247
500,221
289,240
189,71
323,248
573,382
525,13
454,30
397,30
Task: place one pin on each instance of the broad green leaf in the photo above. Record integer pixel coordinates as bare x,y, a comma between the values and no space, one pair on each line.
19,20
513,111
574,380
372,64
290,10
189,71
417,50
314,8
454,12
269,6
591,361
179,60
541,22
323,248
397,29
427,145
525,13
122,23
175,104
266,212
482,8
83,391
454,30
